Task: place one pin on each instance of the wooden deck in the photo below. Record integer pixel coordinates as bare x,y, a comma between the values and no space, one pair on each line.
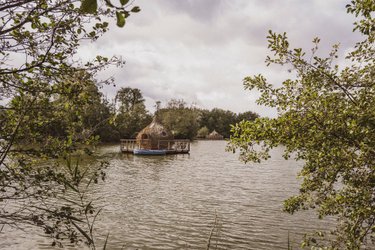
171,146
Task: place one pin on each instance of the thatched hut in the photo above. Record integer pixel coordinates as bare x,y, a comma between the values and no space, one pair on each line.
154,136
214,136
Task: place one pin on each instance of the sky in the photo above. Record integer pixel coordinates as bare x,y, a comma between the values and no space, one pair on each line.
200,50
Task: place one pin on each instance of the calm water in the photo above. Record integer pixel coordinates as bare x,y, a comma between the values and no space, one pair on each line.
170,202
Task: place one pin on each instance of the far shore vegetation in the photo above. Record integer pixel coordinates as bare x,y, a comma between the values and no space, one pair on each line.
128,115
123,118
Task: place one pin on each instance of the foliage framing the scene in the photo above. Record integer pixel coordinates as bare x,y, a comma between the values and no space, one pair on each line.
45,92
326,118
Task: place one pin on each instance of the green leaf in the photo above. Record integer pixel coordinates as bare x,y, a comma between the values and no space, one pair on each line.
135,9
120,19
89,6
123,2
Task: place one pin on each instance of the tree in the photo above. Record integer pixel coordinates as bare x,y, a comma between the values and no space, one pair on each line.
128,99
132,115
104,113
46,85
180,119
218,119
247,116
90,108
203,132
33,184
325,119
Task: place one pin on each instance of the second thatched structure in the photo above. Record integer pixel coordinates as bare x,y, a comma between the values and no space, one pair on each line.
214,136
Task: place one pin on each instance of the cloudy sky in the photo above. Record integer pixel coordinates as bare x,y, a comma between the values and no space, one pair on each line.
200,50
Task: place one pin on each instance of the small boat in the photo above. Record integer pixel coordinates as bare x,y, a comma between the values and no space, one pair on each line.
149,152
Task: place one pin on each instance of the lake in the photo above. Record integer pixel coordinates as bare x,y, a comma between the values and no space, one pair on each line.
172,202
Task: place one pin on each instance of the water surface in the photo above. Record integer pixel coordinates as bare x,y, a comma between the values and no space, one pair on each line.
171,202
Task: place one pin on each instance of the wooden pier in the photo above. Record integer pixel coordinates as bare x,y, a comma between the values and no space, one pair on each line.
170,146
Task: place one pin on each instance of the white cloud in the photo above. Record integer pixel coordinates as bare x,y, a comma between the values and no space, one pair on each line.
200,50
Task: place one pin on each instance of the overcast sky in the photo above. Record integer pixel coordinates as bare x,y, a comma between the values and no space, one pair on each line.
200,50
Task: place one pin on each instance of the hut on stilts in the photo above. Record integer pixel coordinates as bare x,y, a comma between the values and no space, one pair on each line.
155,139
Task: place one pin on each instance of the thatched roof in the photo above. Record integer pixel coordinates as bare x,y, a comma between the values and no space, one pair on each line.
155,130
214,135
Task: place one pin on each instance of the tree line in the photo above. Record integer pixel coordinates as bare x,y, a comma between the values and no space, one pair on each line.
184,121
93,115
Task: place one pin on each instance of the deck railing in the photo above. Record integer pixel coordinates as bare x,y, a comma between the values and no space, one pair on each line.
172,146
178,146
128,145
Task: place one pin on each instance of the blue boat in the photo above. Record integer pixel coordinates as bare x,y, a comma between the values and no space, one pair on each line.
149,151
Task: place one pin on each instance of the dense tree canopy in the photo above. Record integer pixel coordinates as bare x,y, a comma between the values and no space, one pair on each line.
180,119
128,99
221,120
326,118
191,122
132,115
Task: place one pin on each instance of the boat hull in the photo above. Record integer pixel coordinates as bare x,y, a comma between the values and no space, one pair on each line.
149,152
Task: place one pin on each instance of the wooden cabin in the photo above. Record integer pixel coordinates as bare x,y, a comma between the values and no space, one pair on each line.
155,138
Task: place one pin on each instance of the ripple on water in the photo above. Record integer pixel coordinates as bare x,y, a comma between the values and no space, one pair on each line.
170,202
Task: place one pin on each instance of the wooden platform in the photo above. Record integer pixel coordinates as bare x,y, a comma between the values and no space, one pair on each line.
170,146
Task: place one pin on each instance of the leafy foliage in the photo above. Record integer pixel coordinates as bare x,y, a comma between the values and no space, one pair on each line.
132,115
190,122
48,114
326,119
203,132
128,99
221,120
91,7
181,120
